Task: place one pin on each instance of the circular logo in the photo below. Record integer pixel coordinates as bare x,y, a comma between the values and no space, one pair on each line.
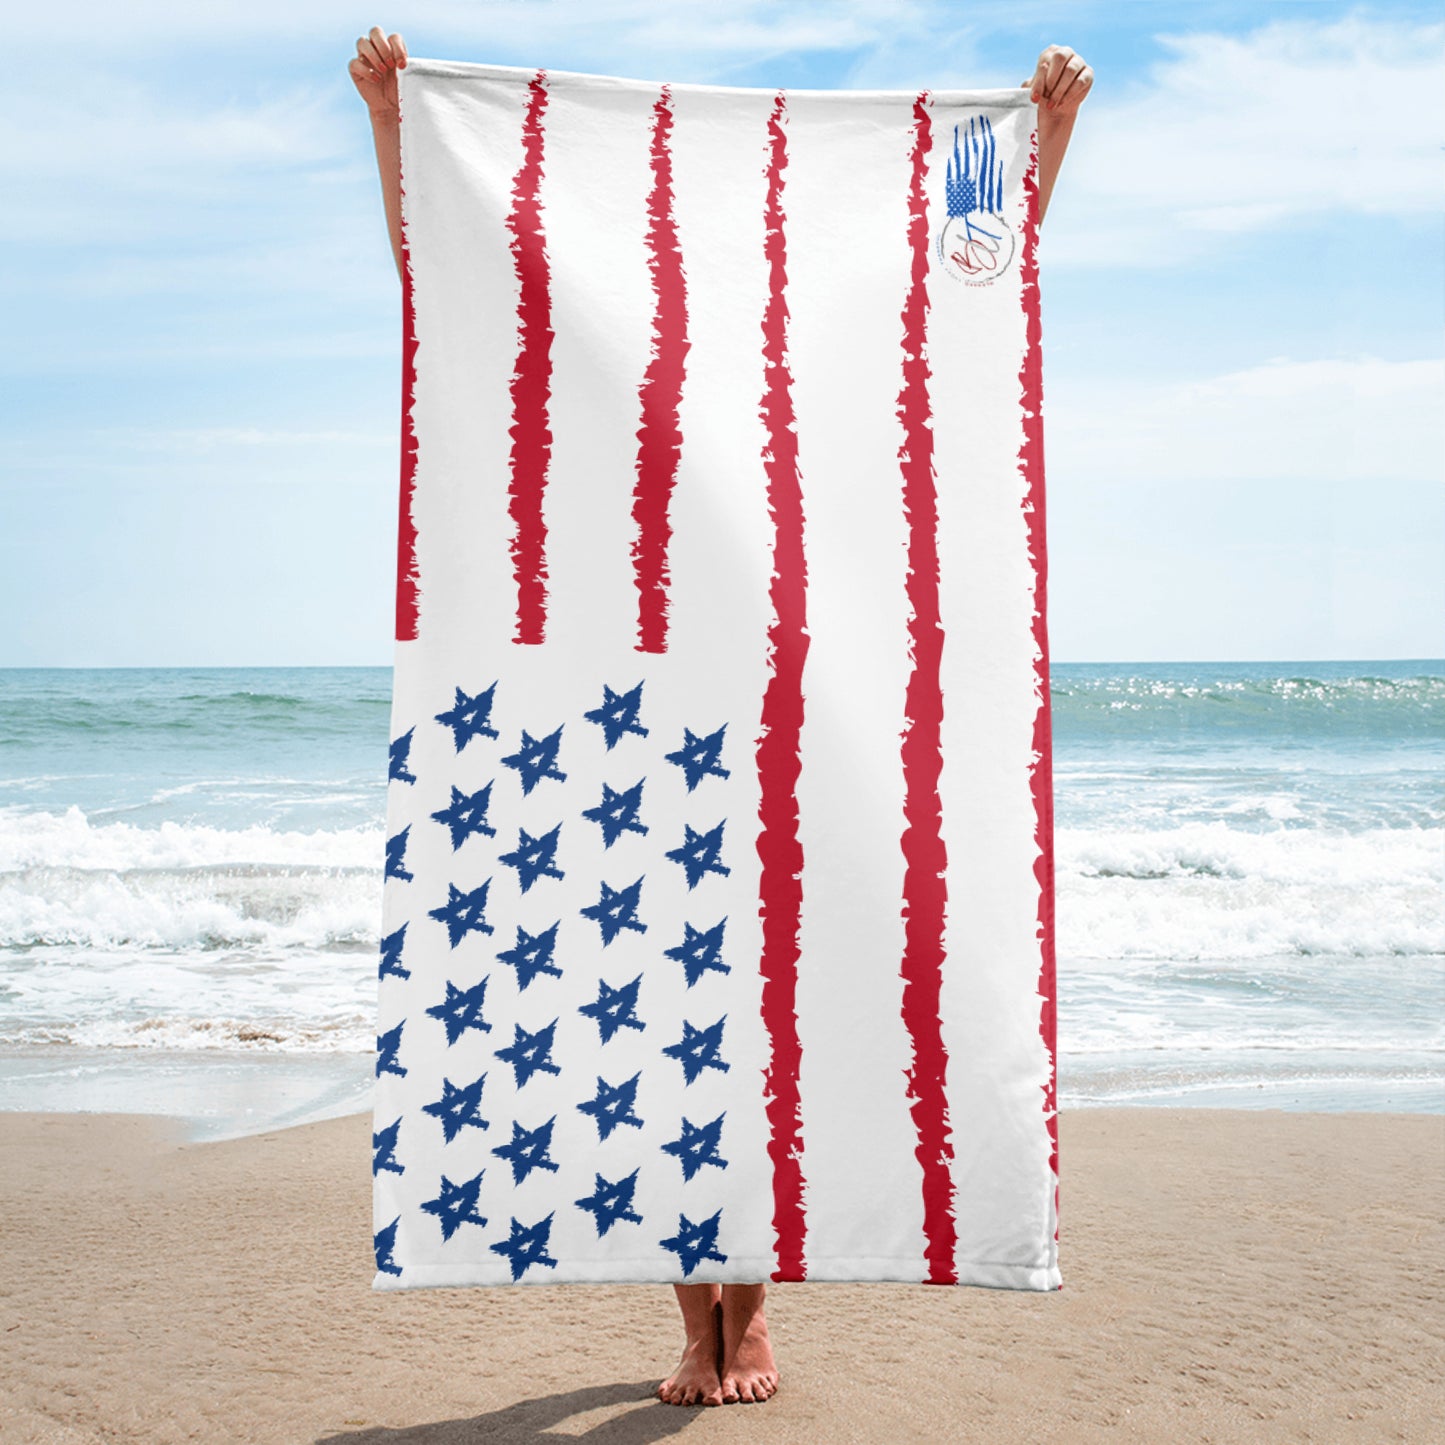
975,248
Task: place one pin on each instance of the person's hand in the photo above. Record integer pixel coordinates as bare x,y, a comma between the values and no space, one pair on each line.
1061,81
374,71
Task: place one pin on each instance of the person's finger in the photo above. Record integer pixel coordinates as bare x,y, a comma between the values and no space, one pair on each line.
362,73
398,47
1040,78
382,45
1077,92
1065,89
1057,61
367,51
1049,66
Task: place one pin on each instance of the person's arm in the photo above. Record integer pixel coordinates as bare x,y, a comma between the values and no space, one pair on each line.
1060,84
374,72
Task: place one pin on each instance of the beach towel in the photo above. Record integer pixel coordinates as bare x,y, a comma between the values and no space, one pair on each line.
717,934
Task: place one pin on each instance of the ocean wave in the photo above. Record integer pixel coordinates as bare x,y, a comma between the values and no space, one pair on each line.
48,717
1208,891
1140,690
36,839
1218,706
67,880
1192,891
207,908
246,698
1284,856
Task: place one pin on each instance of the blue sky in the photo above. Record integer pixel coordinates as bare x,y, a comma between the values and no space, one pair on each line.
1242,288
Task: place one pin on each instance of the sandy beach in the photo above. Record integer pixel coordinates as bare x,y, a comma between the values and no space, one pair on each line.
1229,1275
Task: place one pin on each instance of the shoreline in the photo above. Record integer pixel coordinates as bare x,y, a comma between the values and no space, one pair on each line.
228,1094
1228,1274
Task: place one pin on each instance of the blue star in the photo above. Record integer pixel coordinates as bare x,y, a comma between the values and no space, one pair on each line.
383,1242
467,814
386,1046
611,1202
391,955
697,1145
617,812
530,1054
462,1010
697,757
698,1049
395,851
699,854
528,1150
458,1107
456,1205
699,951
615,1008
533,954
537,759
463,913
526,1246
613,1105
618,714
470,717
616,910
694,1243
534,858
400,753
383,1147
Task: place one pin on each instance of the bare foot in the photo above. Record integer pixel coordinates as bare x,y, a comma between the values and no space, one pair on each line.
696,1381
749,1375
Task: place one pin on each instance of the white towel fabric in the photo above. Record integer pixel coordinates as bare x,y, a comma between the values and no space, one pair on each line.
718,909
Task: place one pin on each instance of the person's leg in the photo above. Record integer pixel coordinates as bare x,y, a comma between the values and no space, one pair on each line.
748,1372
697,1379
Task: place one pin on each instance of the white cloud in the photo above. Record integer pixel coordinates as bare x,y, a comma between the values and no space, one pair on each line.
217,151
1338,420
1237,133
191,122
626,32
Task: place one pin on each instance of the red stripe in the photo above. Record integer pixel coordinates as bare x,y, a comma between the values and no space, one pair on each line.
659,438
531,431
779,760
1041,782
925,894
406,567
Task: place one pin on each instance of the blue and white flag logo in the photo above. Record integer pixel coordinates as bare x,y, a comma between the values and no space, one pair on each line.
976,244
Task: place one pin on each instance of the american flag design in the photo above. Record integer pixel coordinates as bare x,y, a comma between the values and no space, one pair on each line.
718,912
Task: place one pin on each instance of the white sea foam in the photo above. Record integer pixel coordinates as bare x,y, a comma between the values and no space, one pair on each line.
1208,891
30,839
1189,937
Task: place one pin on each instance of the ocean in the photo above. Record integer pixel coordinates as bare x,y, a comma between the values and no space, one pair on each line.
1250,887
